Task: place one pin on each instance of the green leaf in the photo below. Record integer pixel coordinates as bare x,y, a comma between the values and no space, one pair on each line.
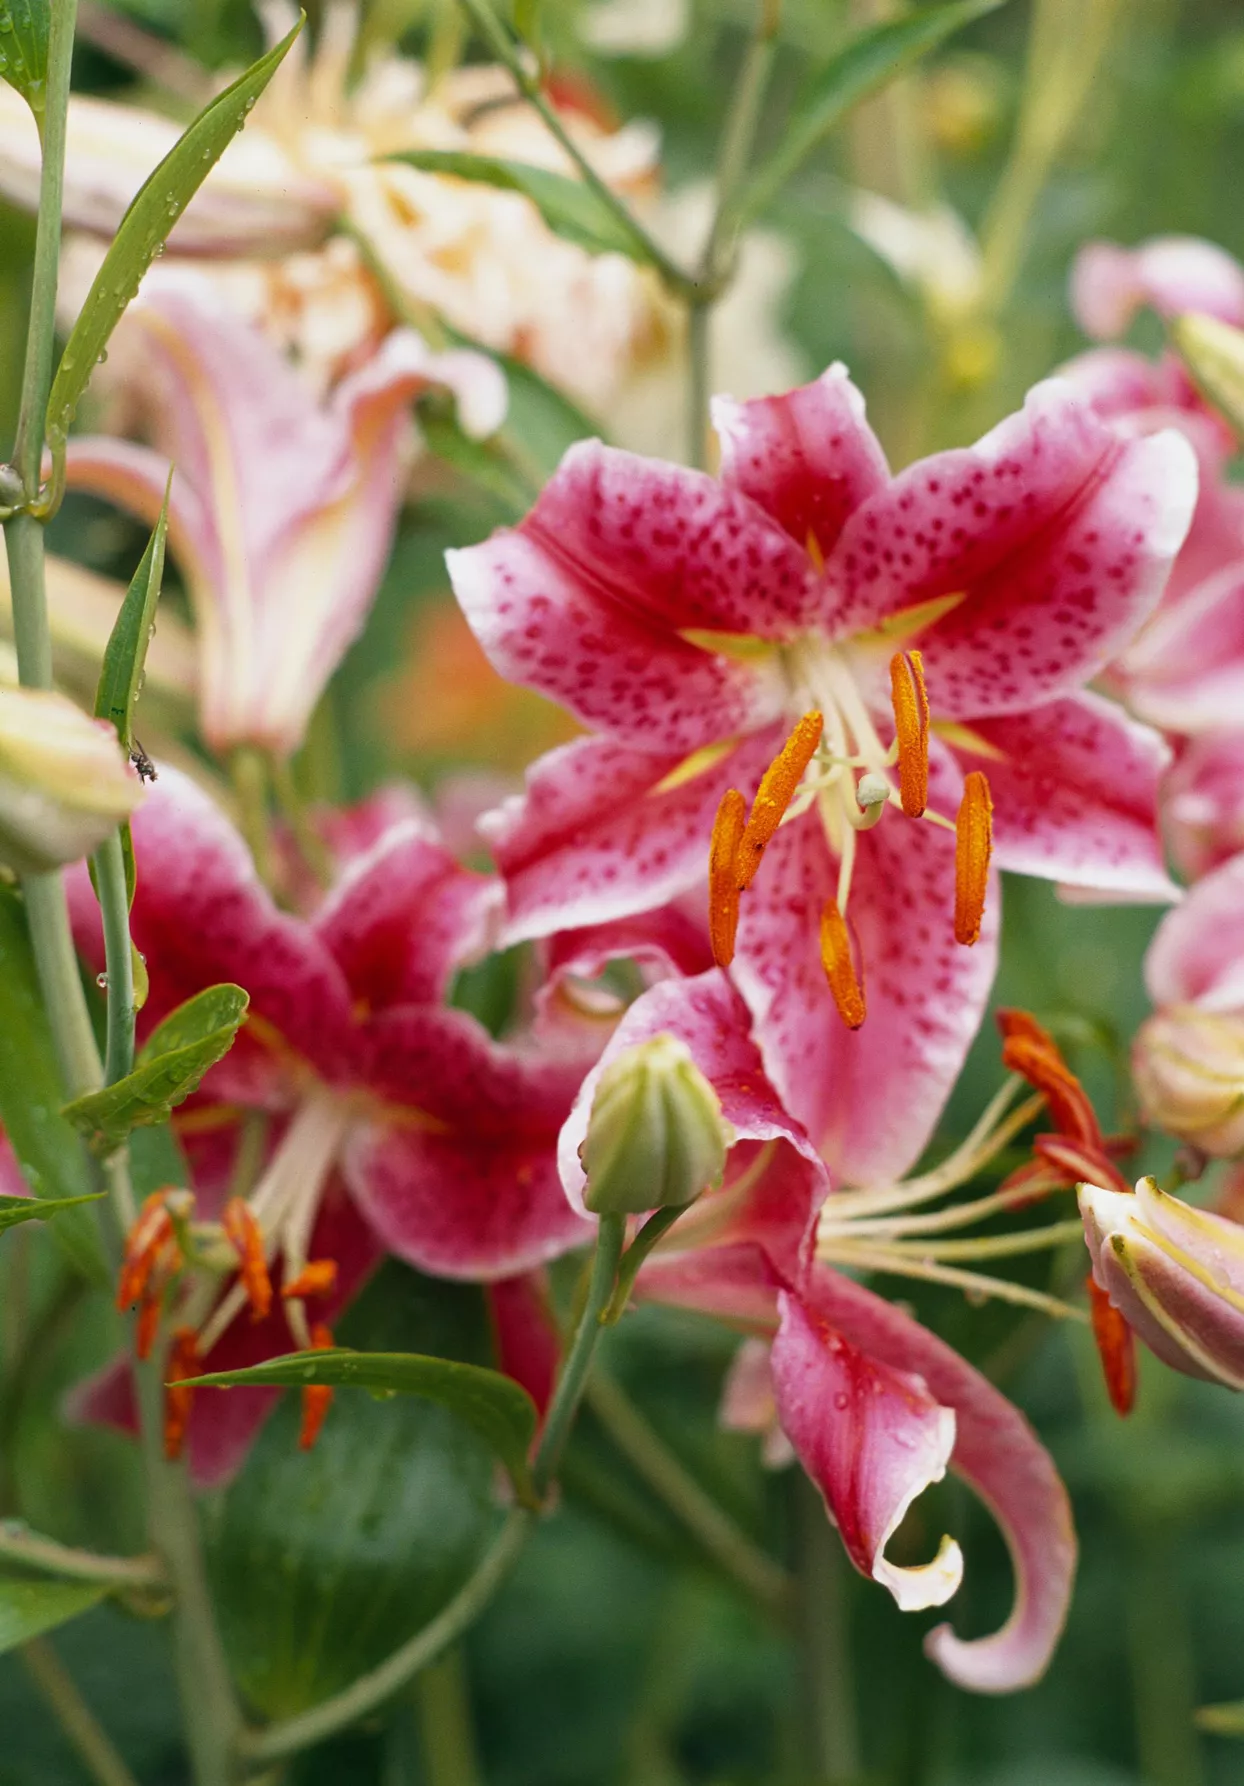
177,1054
570,208
484,462
121,674
48,1151
1222,1720
38,1209
24,26
28,1608
497,1407
144,229
322,1563
869,62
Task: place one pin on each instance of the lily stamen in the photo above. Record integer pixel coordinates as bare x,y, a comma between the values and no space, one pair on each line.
316,1397
723,888
838,960
775,793
910,701
973,848
246,1236
183,1362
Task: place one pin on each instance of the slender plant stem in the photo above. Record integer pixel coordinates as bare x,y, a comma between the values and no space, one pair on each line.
443,1700
90,1742
1168,1749
610,1240
493,32
371,1690
18,1544
716,1533
114,905
699,377
831,1732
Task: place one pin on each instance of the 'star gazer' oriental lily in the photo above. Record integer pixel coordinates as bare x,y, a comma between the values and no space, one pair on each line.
692,621
391,1122
282,509
875,1406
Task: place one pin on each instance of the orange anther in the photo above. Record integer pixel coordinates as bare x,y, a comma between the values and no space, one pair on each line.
316,1397
973,847
774,795
910,701
723,890
1078,1162
839,964
317,1278
143,1245
1033,1053
246,1237
1116,1346
1011,1021
183,1362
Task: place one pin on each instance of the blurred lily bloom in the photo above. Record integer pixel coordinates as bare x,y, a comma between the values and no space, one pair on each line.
1188,1058
921,642
283,508
1203,803
64,781
1175,1273
383,1120
1169,274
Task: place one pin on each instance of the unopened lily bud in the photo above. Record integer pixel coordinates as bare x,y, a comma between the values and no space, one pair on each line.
1188,1065
656,1137
1214,354
1175,1274
64,783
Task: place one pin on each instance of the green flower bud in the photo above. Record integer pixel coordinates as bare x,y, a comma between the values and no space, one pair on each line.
656,1137
1214,354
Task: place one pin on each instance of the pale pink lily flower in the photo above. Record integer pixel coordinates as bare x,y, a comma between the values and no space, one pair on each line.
283,508
1203,803
1175,1273
875,1407
1169,274
689,620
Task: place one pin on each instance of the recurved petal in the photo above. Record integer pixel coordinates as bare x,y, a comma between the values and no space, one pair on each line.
1185,671
872,1438
1197,954
807,457
999,1455
869,1097
1203,803
1075,790
604,830
1109,283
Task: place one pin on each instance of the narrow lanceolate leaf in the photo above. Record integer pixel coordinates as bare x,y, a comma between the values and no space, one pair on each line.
49,1153
144,230
28,1608
37,1209
1222,1720
498,1409
866,65
24,26
177,1054
568,207
125,654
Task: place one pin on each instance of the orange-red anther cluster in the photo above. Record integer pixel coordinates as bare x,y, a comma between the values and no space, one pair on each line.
316,1397
973,848
838,960
151,1260
245,1236
910,701
318,1277
183,1362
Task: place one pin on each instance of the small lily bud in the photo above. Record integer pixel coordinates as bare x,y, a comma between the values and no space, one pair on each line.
1188,1066
656,1137
64,783
1214,354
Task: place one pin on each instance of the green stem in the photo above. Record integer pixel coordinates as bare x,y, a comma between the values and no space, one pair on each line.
248,770
610,1240
732,1550
699,341
1163,1668
831,1733
114,905
89,1741
371,1690
443,1699
18,1544
495,35
52,941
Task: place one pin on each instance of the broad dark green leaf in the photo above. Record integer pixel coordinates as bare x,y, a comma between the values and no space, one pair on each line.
144,229
125,654
323,1562
570,208
38,1209
48,1151
176,1055
24,26
28,1608
498,1409
868,63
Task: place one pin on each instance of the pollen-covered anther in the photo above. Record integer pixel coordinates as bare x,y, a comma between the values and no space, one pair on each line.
183,1362
151,1234
316,1397
910,701
838,960
244,1234
723,889
973,847
774,795
318,1277
1116,1346
1031,1051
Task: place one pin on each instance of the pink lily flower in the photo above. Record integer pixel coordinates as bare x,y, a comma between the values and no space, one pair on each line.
1169,274
691,620
1203,803
394,1124
283,509
875,1407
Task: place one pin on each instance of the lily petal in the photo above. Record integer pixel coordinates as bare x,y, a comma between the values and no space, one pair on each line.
1185,672
1203,803
1109,283
1197,954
